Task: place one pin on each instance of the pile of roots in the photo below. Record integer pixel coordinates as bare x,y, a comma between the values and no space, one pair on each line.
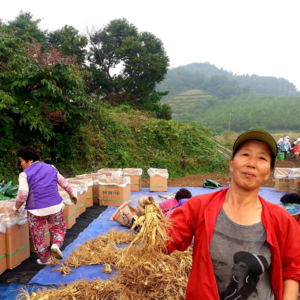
144,269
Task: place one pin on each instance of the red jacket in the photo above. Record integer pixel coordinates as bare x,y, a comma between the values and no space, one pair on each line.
197,217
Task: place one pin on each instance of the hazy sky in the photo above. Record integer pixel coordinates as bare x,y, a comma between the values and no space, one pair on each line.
242,36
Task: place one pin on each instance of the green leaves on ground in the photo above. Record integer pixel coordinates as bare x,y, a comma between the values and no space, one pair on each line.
7,191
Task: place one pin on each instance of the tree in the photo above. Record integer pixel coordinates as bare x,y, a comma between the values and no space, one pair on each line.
26,28
69,42
142,58
42,91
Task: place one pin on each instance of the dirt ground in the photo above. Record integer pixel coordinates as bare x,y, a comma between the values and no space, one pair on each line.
197,180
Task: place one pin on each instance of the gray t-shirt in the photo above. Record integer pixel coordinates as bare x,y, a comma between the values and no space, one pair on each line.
241,258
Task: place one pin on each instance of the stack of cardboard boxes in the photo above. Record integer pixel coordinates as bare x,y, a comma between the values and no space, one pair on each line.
158,180
69,209
281,176
95,179
81,187
135,178
294,181
14,236
287,180
114,190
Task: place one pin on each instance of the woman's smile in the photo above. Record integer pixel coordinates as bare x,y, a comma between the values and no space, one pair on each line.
248,174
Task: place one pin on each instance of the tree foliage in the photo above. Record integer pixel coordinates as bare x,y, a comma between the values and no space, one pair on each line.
26,28
42,94
222,83
69,42
141,56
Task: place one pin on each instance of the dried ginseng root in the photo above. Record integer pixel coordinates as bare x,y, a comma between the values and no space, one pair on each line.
153,233
64,270
144,270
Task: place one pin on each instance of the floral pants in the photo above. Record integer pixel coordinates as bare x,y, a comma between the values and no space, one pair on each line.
57,228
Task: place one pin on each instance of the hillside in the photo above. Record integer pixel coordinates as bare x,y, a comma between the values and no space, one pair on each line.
127,138
222,83
243,112
183,104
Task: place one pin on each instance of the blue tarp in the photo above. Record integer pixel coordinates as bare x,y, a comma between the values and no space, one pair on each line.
101,225
11,291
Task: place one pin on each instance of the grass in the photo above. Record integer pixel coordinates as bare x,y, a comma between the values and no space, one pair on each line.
126,138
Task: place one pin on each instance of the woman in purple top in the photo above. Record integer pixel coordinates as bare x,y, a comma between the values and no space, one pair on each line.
38,189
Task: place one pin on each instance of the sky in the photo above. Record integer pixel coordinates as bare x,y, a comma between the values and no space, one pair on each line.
243,36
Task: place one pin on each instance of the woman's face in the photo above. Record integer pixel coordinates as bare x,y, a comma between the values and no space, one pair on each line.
25,164
251,165
240,269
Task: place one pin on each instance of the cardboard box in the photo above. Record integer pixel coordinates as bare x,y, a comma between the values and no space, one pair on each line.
135,178
281,176
17,245
89,196
82,202
70,215
158,184
47,239
111,172
294,181
2,253
81,187
95,178
294,185
136,183
114,191
282,184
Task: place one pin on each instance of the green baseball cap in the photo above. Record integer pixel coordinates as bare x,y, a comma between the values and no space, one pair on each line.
258,135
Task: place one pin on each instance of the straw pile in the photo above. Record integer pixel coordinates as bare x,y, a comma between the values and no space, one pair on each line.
144,270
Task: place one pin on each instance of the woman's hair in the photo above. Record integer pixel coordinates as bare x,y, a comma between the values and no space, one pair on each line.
273,158
28,153
290,198
183,194
257,264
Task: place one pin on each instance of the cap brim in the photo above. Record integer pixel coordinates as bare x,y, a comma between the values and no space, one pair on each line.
256,135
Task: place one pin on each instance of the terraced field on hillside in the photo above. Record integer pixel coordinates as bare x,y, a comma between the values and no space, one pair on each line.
184,104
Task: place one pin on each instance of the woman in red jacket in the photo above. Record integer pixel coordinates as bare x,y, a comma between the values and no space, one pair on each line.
237,220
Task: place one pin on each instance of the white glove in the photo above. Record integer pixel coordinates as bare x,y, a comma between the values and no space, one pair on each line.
140,209
74,198
15,210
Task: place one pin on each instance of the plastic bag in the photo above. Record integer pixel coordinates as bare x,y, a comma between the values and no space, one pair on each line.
118,181
161,172
8,218
94,176
111,172
133,171
211,184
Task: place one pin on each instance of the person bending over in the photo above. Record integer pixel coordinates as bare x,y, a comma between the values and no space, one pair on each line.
180,198
38,189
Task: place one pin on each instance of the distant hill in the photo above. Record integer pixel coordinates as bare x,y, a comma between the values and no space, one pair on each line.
241,112
221,83
183,104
